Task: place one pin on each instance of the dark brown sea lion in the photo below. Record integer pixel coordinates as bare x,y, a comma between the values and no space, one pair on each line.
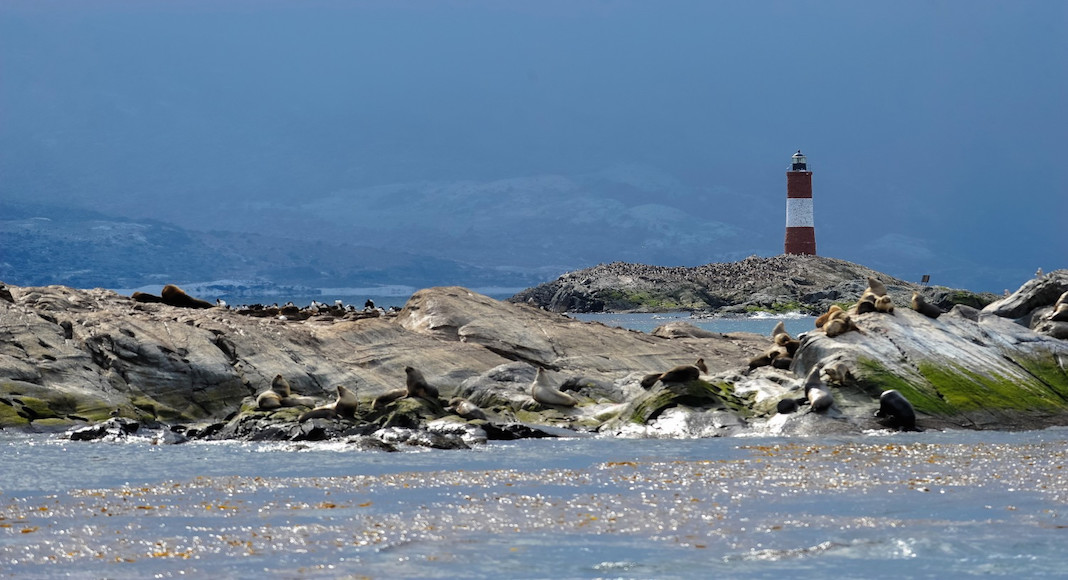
896,411
345,406
1060,313
787,405
175,296
679,374
417,385
920,305
782,362
145,297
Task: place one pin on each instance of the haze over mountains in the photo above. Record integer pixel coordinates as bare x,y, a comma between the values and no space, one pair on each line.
333,143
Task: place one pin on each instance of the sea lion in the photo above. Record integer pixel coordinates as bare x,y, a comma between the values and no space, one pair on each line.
345,406
145,297
466,409
786,406
789,344
272,397
417,385
701,366
838,373
649,380
546,394
1062,300
280,395
832,311
920,305
761,360
782,362
1060,313
679,374
839,325
866,303
175,296
896,411
884,304
818,396
388,397
780,328
876,286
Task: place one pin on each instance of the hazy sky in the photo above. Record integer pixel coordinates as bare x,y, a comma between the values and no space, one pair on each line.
936,128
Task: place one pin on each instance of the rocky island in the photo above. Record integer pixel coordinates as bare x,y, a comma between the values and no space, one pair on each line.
801,283
454,368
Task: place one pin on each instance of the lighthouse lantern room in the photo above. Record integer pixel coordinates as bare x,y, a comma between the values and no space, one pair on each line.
800,230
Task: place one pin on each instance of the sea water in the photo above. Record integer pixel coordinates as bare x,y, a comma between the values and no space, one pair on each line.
932,504
880,505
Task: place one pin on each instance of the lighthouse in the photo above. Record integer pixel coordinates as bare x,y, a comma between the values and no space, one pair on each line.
800,229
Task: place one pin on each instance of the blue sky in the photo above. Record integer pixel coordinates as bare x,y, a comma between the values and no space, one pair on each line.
935,129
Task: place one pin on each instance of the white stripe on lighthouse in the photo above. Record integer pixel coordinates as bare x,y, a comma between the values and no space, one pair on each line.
799,212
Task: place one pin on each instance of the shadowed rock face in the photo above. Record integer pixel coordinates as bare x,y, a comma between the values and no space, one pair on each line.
68,357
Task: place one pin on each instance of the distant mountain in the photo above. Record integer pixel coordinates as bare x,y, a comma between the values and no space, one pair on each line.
543,224
44,245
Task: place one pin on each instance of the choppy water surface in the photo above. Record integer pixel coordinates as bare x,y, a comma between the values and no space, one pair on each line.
903,505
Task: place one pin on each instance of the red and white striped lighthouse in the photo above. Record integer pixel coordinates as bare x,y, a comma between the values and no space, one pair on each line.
800,229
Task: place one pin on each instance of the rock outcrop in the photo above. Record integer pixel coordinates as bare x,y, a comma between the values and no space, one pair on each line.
780,283
76,358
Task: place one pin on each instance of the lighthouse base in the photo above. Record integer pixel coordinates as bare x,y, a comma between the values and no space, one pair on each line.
801,240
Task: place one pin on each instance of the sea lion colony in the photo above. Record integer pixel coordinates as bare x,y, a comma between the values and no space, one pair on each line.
816,385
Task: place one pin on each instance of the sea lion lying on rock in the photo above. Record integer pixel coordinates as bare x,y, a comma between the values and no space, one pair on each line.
884,304
546,394
679,374
838,322
920,305
466,409
175,296
280,395
834,310
345,406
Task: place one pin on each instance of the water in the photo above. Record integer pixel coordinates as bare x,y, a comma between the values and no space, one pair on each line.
920,505
760,324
